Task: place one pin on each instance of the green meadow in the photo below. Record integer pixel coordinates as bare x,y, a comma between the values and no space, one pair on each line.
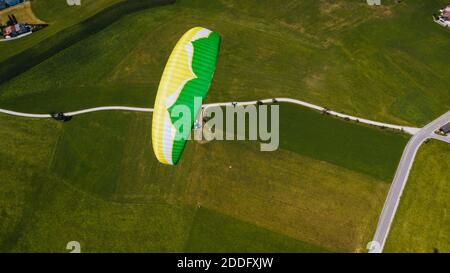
346,144
422,221
60,17
380,63
95,179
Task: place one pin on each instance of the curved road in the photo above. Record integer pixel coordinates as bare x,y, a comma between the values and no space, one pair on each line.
409,130
75,113
400,178
109,108
401,175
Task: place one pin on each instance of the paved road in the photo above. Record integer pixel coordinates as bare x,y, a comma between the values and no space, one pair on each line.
442,138
401,176
96,109
26,115
409,130
109,108
399,182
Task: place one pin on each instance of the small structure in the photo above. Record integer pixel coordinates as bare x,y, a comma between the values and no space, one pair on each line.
373,2
444,18
14,29
446,12
445,129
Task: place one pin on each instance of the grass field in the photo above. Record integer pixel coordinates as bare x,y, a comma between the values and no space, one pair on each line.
218,232
95,179
100,168
63,39
370,62
60,16
346,144
422,221
290,194
25,149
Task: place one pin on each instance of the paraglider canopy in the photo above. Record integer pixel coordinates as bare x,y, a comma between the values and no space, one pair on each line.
186,78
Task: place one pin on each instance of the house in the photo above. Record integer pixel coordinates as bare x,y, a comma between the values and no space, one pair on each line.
446,12
444,18
445,129
16,30
7,31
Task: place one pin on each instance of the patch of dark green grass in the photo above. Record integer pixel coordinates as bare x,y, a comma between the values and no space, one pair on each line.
213,231
17,64
365,149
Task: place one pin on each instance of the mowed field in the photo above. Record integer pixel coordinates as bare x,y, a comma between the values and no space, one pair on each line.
60,17
95,179
98,181
382,63
422,222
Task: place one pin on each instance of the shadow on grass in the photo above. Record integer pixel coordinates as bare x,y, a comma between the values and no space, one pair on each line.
31,57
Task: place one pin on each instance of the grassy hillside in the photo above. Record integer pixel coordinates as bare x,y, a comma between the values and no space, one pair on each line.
372,62
217,232
422,220
39,52
346,144
26,149
59,15
101,168
42,212
95,179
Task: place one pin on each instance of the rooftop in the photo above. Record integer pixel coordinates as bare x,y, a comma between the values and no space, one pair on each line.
445,128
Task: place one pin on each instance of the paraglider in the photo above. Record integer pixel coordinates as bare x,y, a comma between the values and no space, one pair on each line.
186,78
